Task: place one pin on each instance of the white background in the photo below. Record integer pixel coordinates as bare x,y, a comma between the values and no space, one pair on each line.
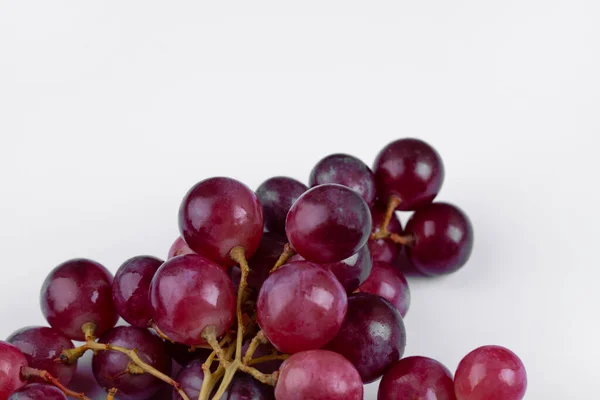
110,111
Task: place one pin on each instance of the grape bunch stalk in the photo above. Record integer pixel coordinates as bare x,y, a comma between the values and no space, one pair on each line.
285,293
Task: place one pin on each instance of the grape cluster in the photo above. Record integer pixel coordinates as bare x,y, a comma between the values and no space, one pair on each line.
285,293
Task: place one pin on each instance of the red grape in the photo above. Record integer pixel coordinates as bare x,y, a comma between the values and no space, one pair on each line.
190,378
372,336
277,195
41,347
386,281
318,375
443,239
328,223
352,271
301,306
11,362
77,292
418,378
109,367
345,170
410,170
188,294
38,391
490,373
384,249
219,214
179,248
245,387
130,289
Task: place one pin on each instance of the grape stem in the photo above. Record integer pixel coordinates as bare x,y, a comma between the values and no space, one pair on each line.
259,339
152,325
271,357
211,379
28,373
407,240
111,394
288,251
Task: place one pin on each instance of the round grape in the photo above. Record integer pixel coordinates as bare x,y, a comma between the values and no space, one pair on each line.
372,336
41,347
179,248
443,239
245,387
188,294
345,170
77,292
410,170
386,281
301,306
384,249
419,378
109,367
190,378
38,391
219,214
130,289
490,373
328,223
352,271
277,195
11,362
318,374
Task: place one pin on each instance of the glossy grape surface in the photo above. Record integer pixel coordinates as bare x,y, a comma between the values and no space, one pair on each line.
372,337
384,249
411,170
191,378
417,378
108,366
318,374
41,347
188,294
38,391
179,248
131,287
277,195
218,214
490,373
11,362
77,292
301,306
388,282
345,170
328,223
443,239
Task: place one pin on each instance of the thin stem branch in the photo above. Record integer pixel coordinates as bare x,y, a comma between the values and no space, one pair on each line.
111,394
259,339
271,357
161,334
28,373
288,251
210,335
407,240
211,379
268,379
383,233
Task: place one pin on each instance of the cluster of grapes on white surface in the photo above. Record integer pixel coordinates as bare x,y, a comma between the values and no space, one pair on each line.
290,292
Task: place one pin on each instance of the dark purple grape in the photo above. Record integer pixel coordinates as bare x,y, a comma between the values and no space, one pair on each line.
443,239
417,378
77,292
182,354
11,362
218,214
410,170
261,351
277,195
372,336
109,367
301,306
190,378
179,248
328,223
388,282
131,287
41,347
38,391
188,294
318,374
348,171
352,271
384,249
245,387
261,263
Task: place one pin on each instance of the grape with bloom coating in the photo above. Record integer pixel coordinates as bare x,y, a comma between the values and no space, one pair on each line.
38,391
300,307
188,294
388,282
11,362
318,375
218,214
77,292
277,195
179,248
42,346
328,223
